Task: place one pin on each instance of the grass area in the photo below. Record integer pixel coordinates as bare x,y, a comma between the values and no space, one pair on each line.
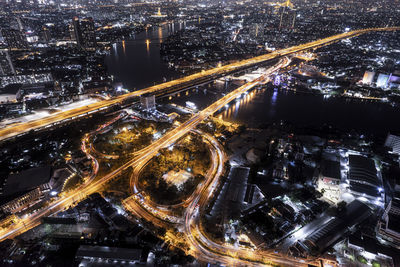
190,156
362,259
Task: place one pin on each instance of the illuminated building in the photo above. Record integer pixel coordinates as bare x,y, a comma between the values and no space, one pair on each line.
75,30
329,180
88,34
158,14
393,142
383,81
23,189
389,228
321,238
256,31
368,77
86,254
83,32
364,180
45,34
148,102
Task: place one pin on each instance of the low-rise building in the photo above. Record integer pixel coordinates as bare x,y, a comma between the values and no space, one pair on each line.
111,255
389,227
363,180
329,180
21,190
321,238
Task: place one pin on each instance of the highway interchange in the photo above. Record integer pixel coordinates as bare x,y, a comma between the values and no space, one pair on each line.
200,245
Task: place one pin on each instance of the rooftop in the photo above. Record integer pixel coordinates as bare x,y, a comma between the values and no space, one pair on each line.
114,253
363,170
331,169
26,180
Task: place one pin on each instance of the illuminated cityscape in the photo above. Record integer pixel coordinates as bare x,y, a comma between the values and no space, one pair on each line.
200,133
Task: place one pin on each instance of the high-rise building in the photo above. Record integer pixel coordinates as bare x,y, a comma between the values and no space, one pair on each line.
6,65
287,18
45,34
393,142
83,32
257,31
383,81
75,31
148,102
368,77
88,34
15,39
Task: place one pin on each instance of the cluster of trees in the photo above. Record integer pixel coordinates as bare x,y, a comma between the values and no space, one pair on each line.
165,193
193,155
110,144
260,219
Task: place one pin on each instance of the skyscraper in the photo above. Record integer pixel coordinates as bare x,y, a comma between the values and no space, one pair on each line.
83,32
45,34
88,34
6,65
256,31
287,17
75,31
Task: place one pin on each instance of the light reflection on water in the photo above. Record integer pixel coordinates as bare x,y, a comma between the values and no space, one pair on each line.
267,106
138,64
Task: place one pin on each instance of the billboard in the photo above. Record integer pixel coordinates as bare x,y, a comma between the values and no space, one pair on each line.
368,77
383,80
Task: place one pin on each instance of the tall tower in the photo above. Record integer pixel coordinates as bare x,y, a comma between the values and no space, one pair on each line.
287,16
45,34
83,32
88,34
75,31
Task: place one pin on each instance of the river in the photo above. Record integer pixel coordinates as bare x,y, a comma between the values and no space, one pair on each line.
137,64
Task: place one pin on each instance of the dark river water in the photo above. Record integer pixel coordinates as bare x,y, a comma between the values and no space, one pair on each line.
137,64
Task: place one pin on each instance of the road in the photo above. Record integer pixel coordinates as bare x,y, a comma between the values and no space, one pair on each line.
21,128
141,158
200,246
169,138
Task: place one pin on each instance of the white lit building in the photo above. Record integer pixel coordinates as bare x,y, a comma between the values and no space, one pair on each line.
389,227
393,142
329,179
148,102
363,181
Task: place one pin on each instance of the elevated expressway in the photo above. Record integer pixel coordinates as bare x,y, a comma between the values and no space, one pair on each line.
140,158
19,129
202,247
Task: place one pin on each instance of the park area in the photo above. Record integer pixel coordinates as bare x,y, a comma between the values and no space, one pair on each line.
129,136
173,175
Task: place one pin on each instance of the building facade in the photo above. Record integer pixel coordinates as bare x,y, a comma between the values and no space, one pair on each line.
15,39
6,64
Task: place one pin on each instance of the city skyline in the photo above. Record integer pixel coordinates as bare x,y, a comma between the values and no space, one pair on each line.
199,133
